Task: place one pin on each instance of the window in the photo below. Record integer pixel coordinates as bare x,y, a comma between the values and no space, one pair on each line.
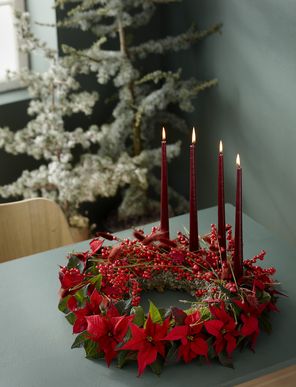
10,58
42,11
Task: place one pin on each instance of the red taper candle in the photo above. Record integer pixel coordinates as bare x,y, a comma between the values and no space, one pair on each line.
238,239
221,204
164,205
193,236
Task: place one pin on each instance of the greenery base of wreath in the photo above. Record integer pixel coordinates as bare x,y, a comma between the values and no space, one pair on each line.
101,294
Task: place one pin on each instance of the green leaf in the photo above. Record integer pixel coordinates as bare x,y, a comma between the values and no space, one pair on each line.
241,342
91,349
71,318
205,312
236,309
120,305
165,313
127,337
92,269
225,360
75,262
81,295
80,339
265,297
157,366
63,304
124,306
154,313
139,318
97,281
211,352
172,355
265,323
124,356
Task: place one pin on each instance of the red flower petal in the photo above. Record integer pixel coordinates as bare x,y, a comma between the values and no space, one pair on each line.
160,330
214,327
96,299
250,325
138,339
69,279
219,313
110,354
186,353
121,326
159,345
150,326
230,324
72,303
97,326
219,345
242,305
259,284
192,318
107,344
80,325
177,333
146,356
195,329
231,343
200,347
112,311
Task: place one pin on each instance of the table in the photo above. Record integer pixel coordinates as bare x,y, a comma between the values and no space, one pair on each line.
35,338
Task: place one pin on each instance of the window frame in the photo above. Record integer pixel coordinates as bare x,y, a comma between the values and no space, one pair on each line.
23,58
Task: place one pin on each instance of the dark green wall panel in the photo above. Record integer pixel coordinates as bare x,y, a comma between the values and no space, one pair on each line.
253,108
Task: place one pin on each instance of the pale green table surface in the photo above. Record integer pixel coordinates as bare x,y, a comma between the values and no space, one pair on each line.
35,338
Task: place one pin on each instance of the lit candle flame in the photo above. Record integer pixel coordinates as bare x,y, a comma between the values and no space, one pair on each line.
221,146
163,134
193,136
238,160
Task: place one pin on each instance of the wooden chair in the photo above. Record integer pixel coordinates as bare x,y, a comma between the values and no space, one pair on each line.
30,226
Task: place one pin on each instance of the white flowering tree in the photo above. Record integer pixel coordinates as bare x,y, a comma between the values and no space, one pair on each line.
115,155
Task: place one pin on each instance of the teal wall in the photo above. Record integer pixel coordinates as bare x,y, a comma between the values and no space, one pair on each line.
253,108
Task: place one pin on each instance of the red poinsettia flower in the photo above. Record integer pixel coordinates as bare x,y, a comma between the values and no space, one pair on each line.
148,342
249,318
108,331
96,305
80,323
70,278
193,343
223,327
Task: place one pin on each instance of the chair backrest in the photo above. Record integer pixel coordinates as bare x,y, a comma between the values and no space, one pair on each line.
30,226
